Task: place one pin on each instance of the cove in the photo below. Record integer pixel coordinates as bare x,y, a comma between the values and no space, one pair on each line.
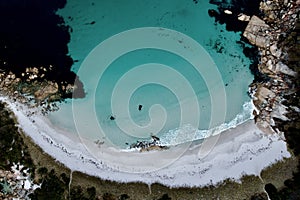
93,22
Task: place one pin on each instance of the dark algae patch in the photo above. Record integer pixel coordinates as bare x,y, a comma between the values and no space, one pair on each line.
33,36
248,7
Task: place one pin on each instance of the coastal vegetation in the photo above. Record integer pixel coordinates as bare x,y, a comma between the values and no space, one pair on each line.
13,149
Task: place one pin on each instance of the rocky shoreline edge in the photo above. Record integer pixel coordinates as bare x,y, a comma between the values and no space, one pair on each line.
277,37
273,28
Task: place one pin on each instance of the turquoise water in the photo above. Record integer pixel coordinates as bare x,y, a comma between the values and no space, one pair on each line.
93,22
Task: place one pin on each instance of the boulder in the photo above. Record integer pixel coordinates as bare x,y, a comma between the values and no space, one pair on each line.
45,91
228,12
282,68
279,112
275,51
264,93
255,32
243,17
153,148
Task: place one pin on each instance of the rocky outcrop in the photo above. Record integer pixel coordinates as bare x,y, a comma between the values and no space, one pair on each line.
148,145
153,148
243,17
45,91
271,34
256,32
30,89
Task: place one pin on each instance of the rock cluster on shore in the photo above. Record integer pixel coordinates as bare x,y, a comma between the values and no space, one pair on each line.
34,91
16,183
148,145
276,34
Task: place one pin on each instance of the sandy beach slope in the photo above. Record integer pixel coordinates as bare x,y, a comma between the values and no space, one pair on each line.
243,150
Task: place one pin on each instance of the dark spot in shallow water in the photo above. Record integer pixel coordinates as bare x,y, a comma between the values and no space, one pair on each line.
140,107
90,23
112,118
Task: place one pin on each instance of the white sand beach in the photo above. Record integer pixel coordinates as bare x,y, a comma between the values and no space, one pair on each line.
239,151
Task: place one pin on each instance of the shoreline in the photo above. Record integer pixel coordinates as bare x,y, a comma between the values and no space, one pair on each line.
243,150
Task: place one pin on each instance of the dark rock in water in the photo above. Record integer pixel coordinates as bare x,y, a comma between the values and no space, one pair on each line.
213,13
155,138
90,23
32,35
253,54
112,118
148,145
140,107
